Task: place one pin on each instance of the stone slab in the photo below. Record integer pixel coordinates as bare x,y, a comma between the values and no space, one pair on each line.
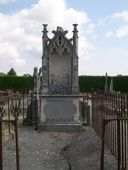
60,127
59,109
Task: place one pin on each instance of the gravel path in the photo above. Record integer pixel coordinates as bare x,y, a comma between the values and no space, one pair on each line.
57,151
84,153
38,151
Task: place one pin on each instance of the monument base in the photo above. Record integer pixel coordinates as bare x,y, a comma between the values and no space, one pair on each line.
60,127
59,113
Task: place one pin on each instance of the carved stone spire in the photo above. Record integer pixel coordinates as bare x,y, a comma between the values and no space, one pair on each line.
75,39
75,84
44,80
44,39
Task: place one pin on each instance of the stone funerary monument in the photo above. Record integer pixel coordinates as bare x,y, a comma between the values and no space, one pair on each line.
57,82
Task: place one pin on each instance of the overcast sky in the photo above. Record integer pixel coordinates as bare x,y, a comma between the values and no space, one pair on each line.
103,33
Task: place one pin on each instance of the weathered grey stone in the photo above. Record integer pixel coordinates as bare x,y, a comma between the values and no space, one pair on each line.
60,63
60,127
58,77
32,112
60,108
56,110
37,79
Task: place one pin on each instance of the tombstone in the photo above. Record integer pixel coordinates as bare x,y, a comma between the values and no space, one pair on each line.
111,86
106,83
36,78
32,111
33,106
59,89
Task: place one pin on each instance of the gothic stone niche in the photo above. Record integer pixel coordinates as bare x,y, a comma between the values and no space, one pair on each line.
59,66
59,63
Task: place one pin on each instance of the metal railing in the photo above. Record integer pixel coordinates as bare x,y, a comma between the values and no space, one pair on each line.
16,109
110,120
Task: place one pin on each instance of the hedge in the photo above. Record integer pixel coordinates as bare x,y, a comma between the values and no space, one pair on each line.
89,83
121,83
86,83
20,83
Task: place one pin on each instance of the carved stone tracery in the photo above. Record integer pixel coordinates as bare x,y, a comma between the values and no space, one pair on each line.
59,45
60,62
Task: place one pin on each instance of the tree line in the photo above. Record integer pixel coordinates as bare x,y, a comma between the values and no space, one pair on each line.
97,83
16,83
12,72
86,83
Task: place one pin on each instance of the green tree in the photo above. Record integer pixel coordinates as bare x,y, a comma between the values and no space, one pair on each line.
2,74
119,75
12,72
27,75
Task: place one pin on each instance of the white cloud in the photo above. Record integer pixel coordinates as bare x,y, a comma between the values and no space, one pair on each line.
84,47
121,15
6,1
117,24
122,32
20,39
9,54
109,34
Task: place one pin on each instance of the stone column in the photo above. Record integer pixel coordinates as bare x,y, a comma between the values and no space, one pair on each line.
44,80
75,83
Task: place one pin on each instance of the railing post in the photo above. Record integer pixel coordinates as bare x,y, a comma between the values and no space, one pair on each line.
23,107
16,111
1,152
9,128
102,147
118,131
118,143
17,145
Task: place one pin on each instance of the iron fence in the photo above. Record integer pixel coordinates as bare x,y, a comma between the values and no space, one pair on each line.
14,110
110,120
85,109
13,119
